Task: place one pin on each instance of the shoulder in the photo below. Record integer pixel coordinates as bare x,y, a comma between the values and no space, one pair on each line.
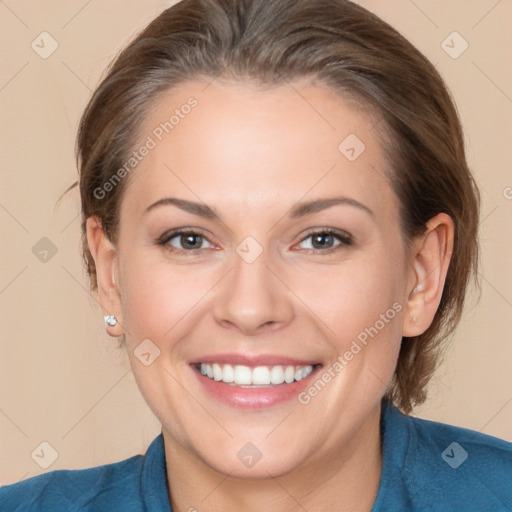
477,455
444,467
66,490
462,444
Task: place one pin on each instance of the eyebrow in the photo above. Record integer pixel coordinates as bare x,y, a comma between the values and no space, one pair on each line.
316,205
297,211
199,209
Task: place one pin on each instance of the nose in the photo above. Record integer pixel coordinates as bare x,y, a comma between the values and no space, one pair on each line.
253,299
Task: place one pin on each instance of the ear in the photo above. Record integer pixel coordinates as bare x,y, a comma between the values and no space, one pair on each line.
430,259
106,260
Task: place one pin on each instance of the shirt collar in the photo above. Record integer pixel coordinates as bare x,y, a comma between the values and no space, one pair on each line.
396,442
154,478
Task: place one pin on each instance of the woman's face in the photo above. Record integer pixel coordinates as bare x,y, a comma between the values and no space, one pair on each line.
292,262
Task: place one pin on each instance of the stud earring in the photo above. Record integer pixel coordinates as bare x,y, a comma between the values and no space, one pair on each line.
110,320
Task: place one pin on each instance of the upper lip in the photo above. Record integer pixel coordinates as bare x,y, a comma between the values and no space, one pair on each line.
254,360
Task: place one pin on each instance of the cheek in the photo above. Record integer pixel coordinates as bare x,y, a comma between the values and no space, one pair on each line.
157,298
358,306
353,295
345,299
366,324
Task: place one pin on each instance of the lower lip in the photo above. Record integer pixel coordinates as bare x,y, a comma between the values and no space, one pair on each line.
253,398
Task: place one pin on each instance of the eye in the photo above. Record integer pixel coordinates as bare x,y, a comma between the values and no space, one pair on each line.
184,241
324,241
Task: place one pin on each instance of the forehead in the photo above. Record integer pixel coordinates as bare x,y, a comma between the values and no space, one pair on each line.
249,146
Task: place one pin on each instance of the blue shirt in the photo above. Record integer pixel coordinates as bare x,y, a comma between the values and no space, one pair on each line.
427,466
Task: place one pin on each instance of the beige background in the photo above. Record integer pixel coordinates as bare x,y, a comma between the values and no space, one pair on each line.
63,381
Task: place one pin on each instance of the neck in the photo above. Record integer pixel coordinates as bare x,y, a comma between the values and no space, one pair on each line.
341,479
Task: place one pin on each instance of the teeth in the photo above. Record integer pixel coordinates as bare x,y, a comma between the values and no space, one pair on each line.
289,374
243,375
217,372
259,376
228,373
277,375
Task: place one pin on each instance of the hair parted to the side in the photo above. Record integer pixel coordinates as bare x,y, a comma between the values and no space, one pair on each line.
269,42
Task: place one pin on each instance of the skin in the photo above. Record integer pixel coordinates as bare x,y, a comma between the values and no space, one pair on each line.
252,154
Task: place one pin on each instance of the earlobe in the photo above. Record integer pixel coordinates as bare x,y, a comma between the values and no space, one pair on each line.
105,257
430,262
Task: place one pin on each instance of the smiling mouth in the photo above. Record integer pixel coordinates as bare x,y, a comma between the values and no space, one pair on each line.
252,377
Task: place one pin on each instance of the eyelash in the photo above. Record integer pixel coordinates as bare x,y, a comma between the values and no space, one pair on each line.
344,238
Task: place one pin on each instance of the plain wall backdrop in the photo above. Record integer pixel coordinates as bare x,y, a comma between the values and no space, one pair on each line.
63,381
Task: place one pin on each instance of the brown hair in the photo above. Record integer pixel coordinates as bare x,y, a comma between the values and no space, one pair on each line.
271,41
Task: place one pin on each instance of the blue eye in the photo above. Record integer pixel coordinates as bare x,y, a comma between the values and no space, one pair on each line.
323,241
191,242
186,241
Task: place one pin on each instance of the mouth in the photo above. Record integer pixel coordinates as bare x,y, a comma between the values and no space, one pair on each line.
254,383
255,377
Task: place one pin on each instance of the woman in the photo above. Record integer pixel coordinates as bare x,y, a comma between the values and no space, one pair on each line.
280,223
